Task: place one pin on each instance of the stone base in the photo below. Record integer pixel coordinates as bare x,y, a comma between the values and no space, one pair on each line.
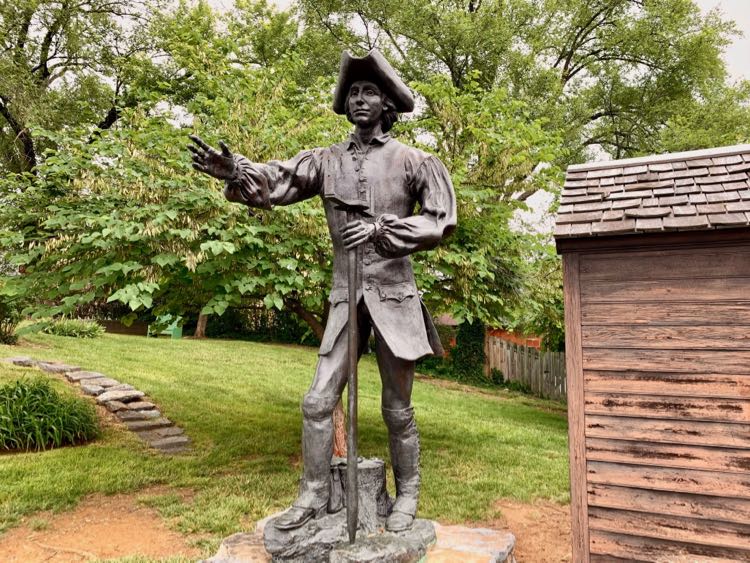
326,540
331,545
454,543
384,547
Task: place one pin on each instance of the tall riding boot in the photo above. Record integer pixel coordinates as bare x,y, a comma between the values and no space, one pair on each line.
404,446
317,450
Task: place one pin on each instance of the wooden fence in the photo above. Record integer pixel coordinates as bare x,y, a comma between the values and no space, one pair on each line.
541,372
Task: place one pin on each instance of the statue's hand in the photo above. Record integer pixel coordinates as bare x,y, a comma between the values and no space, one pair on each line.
357,232
208,160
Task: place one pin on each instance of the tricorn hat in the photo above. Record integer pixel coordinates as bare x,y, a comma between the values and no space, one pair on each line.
375,68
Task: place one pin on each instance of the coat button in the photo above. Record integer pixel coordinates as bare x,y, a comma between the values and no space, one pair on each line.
367,261
368,288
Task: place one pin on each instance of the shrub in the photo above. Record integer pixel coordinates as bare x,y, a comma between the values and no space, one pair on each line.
77,328
34,416
10,316
467,358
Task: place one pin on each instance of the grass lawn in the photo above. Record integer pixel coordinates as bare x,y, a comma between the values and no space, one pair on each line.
239,403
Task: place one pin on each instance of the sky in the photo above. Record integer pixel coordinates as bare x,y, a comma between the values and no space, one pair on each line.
737,55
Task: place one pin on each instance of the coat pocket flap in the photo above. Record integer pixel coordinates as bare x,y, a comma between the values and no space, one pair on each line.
397,291
339,295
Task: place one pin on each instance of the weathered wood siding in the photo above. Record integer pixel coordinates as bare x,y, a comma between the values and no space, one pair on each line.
665,393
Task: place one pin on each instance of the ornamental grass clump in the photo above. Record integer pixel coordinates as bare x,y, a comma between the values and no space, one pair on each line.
35,416
77,328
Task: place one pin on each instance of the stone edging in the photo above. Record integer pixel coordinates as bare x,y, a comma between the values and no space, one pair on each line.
131,406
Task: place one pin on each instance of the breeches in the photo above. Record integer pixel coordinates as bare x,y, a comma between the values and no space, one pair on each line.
397,375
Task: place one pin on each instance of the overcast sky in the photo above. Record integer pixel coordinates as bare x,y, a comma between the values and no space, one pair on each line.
738,54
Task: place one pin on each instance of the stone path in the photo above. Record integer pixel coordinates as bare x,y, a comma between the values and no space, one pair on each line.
131,406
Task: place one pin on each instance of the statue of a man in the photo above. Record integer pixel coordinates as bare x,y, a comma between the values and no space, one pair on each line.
393,179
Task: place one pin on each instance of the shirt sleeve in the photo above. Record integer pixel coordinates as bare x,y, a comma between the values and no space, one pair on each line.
436,220
275,182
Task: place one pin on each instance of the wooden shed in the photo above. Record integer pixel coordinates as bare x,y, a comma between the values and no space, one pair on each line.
656,257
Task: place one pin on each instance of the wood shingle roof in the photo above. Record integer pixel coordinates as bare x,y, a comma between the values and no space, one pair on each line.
704,190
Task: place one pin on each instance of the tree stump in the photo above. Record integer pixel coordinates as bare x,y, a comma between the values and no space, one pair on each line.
374,501
315,540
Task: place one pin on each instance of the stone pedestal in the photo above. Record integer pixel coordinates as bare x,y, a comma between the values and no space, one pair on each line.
326,539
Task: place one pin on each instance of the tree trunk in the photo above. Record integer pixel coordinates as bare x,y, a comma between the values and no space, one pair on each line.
200,329
308,316
339,430
23,135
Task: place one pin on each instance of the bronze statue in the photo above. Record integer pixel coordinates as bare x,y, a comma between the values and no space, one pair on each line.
392,179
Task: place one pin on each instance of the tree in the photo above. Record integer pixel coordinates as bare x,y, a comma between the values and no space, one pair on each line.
64,64
719,117
607,73
495,153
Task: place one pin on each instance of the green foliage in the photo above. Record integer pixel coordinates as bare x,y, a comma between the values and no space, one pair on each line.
493,150
34,416
467,357
76,328
10,316
65,64
721,116
133,223
260,324
606,73
540,310
510,92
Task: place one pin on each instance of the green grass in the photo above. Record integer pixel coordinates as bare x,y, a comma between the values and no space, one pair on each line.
239,403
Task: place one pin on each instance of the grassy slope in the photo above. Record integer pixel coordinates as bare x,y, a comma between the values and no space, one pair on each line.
239,402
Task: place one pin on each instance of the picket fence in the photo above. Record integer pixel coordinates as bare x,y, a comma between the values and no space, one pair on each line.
543,373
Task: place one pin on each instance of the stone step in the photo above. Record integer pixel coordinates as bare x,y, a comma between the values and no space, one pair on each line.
81,375
114,406
159,433
169,431
91,389
121,387
122,396
100,381
138,425
21,361
51,367
171,443
127,415
140,406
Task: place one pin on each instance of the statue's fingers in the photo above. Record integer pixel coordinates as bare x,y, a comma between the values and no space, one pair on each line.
350,226
193,149
354,239
200,168
225,149
198,141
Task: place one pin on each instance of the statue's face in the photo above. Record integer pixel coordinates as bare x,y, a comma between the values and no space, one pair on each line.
365,103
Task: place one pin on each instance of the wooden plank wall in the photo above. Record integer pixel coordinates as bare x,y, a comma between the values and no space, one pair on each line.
665,338
579,513
542,372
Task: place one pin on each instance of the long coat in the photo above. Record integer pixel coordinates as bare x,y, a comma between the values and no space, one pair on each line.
394,179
